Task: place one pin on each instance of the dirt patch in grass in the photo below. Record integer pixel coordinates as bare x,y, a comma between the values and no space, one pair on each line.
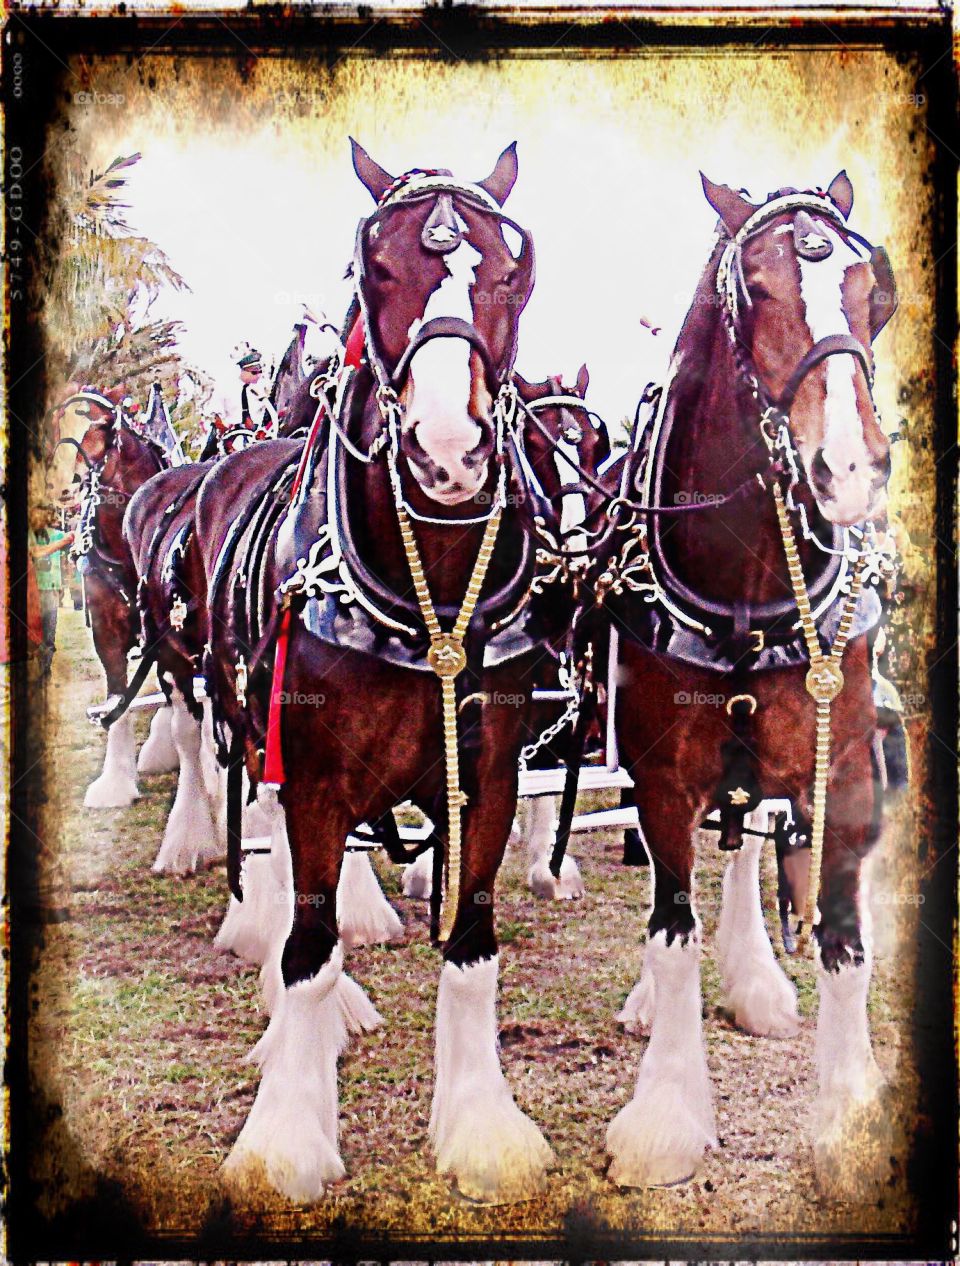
142,1027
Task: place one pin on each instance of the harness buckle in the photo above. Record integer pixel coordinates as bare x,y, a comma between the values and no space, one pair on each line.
446,655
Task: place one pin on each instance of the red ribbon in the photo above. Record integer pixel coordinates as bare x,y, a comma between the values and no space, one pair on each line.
355,341
273,770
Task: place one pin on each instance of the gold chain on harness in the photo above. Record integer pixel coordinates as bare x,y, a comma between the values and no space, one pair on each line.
824,682
448,658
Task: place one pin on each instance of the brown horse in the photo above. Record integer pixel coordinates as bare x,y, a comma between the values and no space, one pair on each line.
171,591
769,394
113,459
419,431
562,442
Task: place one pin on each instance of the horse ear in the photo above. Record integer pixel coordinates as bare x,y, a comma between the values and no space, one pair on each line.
583,380
503,177
372,175
732,208
883,297
841,193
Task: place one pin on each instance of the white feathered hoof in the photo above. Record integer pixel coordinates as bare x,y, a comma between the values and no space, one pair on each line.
493,1153
659,1138
159,753
569,887
764,1003
364,915
290,1137
417,878
190,841
661,1134
480,1138
853,1137
264,915
852,1153
116,788
112,790
257,819
637,1013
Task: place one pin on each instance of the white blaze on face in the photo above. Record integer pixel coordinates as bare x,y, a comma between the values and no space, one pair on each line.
440,376
567,458
844,447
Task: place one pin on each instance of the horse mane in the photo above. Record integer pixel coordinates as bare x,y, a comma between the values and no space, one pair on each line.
697,341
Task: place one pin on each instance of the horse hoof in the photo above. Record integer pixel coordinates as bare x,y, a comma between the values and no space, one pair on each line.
417,880
494,1153
111,792
659,1137
299,1178
853,1156
543,883
765,1005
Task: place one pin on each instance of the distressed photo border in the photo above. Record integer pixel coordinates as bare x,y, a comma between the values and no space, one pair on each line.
44,41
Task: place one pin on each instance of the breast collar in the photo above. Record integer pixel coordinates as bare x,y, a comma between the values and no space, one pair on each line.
334,564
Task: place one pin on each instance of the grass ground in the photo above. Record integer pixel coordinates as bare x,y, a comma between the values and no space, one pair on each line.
142,1028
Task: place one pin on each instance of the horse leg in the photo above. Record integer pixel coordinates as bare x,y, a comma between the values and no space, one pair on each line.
481,1139
541,835
762,999
290,1136
116,787
190,839
417,880
659,1137
256,928
159,752
364,914
853,1133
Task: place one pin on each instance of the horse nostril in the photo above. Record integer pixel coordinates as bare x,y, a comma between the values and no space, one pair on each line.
820,473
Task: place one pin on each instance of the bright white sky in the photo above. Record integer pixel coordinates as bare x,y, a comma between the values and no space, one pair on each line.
261,219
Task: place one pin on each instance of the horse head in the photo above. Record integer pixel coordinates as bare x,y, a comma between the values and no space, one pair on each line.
108,443
805,298
441,292
561,440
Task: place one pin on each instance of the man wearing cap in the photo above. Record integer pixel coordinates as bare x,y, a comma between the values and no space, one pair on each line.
257,414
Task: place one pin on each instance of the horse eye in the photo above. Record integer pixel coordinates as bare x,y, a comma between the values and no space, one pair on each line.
380,271
758,290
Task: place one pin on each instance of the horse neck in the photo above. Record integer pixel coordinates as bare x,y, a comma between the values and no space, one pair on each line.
137,462
732,552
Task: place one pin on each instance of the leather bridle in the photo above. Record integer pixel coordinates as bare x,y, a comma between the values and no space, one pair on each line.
417,186
774,411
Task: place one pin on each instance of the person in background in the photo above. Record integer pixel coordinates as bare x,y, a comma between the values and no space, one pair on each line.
46,544
257,414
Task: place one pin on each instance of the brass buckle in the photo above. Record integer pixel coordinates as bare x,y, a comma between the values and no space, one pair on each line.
446,655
